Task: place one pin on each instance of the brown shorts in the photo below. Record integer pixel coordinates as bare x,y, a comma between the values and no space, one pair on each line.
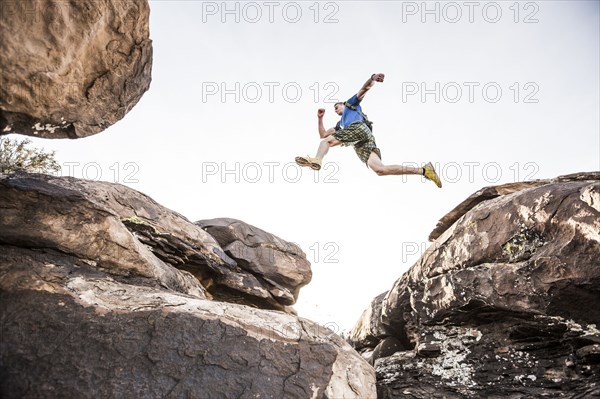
357,134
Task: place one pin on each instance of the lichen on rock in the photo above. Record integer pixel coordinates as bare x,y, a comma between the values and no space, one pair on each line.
502,303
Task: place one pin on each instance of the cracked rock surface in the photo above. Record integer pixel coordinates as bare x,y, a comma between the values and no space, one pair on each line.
281,265
504,302
72,330
128,233
70,69
105,293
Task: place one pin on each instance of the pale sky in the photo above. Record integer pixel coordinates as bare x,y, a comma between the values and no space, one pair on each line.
490,92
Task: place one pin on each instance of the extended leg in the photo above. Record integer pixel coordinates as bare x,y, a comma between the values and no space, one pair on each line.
378,167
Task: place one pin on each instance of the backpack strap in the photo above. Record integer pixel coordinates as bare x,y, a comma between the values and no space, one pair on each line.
353,108
365,119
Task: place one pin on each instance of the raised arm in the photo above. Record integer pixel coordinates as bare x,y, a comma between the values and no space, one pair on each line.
322,131
376,77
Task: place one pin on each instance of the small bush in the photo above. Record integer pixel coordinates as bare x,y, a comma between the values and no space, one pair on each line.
17,155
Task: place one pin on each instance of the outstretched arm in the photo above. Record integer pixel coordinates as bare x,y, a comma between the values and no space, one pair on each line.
376,77
322,131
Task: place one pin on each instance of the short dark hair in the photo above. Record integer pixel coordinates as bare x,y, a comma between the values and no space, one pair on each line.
341,102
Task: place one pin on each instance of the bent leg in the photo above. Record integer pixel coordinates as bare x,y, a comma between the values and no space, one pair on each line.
325,144
378,167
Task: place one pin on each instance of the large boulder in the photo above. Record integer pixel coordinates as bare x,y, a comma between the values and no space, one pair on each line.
71,329
127,232
281,265
504,302
71,68
105,293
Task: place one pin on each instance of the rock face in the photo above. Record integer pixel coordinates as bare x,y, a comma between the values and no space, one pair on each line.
105,293
281,265
70,330
129,233
71,68
368,331
503,303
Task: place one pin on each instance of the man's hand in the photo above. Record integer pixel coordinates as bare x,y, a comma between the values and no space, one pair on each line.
323,133
378,77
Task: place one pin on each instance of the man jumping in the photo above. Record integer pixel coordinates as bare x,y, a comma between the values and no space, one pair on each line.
353,130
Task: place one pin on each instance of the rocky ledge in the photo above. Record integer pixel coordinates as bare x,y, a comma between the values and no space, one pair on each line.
105,293
503,304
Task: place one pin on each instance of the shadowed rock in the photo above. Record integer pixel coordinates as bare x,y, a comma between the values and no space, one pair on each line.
280,265
503,302
71,69
127,232
496,191
105,293
368,330
70,329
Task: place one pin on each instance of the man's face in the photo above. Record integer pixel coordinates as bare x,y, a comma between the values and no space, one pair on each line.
339,108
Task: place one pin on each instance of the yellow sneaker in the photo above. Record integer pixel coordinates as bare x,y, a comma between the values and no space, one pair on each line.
313,163
429,173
